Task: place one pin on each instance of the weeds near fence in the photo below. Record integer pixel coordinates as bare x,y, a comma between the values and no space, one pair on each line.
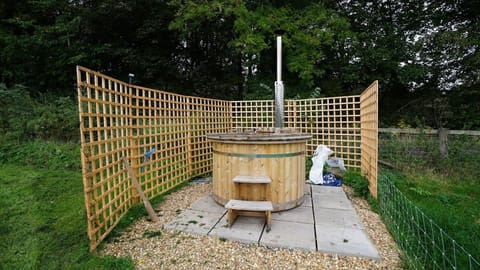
359,183
446,189
413,152
425,244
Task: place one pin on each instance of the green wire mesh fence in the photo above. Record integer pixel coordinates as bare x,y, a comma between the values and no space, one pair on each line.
424,244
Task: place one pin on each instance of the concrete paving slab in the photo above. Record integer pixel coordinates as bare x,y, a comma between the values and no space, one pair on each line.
308,189
207,204
337,218
194,221
289,235
301,214
343,241
334,229
244,229
319,189
308,201
333,201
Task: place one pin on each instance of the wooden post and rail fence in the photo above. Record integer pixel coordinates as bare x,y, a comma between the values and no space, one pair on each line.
441,133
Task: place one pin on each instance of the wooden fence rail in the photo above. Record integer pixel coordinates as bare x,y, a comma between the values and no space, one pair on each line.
163,135
441,133
428,131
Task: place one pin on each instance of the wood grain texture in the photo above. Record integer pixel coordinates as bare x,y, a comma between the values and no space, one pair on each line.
119,119
369,136
287,173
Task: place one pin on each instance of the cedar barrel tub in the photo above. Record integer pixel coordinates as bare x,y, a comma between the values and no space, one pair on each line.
276,153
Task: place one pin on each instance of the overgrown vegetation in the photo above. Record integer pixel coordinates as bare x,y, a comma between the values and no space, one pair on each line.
52,155
446,190
420,152
25,117
424,53
359,184
422,236
43,220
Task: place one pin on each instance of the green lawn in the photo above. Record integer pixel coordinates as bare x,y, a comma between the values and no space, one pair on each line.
446,189
43,221
452,203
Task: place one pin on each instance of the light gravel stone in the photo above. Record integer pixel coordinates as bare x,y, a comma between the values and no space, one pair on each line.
151,247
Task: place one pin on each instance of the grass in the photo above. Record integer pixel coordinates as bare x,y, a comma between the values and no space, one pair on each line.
43,224
42,154
452,203
445,189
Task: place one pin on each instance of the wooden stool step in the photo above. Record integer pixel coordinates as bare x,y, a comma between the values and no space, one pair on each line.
246,179
249,208
249,205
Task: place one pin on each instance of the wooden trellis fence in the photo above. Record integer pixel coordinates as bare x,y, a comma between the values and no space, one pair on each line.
369,134
163,136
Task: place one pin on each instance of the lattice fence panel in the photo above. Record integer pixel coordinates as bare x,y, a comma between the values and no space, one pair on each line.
369,132
163,136
250,114
105,129
160,135
206,116
334,122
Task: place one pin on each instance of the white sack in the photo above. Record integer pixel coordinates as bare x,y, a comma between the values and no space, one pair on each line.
319,157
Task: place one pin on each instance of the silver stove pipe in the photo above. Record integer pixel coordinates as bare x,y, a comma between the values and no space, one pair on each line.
279,87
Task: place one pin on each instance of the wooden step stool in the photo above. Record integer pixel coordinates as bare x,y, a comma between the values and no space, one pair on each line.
250,208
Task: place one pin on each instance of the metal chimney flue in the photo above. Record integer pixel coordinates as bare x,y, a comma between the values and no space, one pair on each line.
279,87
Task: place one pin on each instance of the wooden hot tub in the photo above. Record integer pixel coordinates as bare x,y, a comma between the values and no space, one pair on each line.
277,154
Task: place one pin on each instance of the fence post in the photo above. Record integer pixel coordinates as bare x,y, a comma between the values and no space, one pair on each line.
443,140
189,108
133,142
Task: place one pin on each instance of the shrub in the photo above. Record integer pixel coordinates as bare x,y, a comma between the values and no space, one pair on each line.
57,119
360,187
357,182
24,118
16,110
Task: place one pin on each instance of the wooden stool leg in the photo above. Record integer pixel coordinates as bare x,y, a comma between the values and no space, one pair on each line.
268,217
231,216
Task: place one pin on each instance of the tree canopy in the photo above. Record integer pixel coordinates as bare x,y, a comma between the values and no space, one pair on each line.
425,54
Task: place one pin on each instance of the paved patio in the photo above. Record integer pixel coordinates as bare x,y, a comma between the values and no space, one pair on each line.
325,222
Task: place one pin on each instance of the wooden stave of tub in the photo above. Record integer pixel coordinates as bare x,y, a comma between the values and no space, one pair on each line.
282,158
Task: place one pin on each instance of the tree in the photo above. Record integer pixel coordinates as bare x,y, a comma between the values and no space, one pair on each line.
245,33
36,40
420,51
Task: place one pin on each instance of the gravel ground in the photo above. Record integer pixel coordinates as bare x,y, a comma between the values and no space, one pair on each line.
150,247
